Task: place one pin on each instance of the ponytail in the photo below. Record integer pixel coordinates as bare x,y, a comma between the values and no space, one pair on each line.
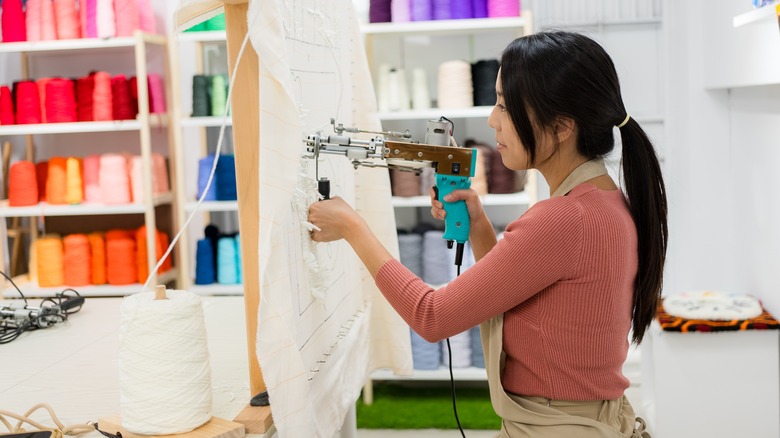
646,193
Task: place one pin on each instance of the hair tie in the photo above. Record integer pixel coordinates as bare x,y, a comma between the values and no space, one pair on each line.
623,123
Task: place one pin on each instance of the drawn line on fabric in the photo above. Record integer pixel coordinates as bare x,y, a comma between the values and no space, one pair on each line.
336,307
343,332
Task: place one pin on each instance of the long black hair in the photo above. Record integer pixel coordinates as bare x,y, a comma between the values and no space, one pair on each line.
564,74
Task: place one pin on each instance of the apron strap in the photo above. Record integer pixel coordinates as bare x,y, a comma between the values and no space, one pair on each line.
584,172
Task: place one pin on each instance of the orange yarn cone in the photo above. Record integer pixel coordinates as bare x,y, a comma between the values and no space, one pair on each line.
162,238
50,257
74,189
42,175
77,260
22,184
98,247
121,258
57,181
143,267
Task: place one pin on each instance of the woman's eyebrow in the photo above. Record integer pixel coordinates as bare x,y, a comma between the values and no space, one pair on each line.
499,93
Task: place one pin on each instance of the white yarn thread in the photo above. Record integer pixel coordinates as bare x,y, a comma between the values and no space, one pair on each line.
393,90
455,87
164,372
403,90
383,88
305,194
397,91
421,97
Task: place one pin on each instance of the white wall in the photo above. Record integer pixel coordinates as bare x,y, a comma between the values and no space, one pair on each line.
723,143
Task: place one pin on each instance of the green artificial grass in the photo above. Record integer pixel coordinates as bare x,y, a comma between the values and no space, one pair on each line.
403,406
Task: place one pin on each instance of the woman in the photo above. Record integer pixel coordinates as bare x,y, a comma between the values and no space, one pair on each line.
559,294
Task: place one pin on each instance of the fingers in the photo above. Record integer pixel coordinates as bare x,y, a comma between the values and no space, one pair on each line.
457,195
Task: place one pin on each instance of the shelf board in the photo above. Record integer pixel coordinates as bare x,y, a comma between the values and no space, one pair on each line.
470,373
757,15
80,44
213,206
520,198
467,113
444,27
155,120
44,209
208,36
435,113
217,289
602,23
31,289
205,122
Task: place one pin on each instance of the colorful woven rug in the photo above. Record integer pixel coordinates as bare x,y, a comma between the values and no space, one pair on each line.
670,323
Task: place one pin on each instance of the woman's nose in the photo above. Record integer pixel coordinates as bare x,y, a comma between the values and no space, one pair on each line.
491,121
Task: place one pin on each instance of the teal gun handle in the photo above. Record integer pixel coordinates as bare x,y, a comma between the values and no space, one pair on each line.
456,223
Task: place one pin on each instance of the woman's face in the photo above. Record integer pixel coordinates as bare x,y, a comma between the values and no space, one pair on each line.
508,143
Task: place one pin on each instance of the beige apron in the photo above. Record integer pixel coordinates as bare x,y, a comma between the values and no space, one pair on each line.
538,417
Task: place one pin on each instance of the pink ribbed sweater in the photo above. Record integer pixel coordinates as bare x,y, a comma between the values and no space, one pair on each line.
563,276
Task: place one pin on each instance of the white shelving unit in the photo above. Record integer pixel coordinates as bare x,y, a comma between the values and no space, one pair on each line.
205,122
181,122
83,44
155,121
31,289
136,46
446,27
434,113
43,209
212,206
217,289
443,373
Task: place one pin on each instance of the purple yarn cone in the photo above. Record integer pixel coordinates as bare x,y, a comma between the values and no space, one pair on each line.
422,10
479,8
441,10
460,9
379,11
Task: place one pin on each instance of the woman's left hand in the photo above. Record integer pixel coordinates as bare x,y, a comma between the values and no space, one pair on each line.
334,217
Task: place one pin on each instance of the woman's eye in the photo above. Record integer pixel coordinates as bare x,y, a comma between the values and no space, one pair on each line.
501,108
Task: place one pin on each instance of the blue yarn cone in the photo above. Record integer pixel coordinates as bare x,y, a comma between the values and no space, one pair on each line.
204,263
204,169
226,178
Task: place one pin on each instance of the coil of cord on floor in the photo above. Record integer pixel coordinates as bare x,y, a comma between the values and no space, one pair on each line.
56,432
64,304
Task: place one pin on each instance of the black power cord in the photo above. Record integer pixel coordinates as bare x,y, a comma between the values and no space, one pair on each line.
449,355
67,302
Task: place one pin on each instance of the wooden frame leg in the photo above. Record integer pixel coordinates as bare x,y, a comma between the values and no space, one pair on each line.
246,139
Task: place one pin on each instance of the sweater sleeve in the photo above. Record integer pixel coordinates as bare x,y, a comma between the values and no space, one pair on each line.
540,248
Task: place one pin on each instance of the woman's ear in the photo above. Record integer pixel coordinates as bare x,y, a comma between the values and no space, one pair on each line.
564,128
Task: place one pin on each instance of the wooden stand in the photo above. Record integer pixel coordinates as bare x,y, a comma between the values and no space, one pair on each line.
214,428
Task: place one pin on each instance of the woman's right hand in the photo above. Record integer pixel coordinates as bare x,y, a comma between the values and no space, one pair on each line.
473,204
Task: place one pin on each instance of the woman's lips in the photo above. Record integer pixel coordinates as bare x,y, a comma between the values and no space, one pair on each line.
500,146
